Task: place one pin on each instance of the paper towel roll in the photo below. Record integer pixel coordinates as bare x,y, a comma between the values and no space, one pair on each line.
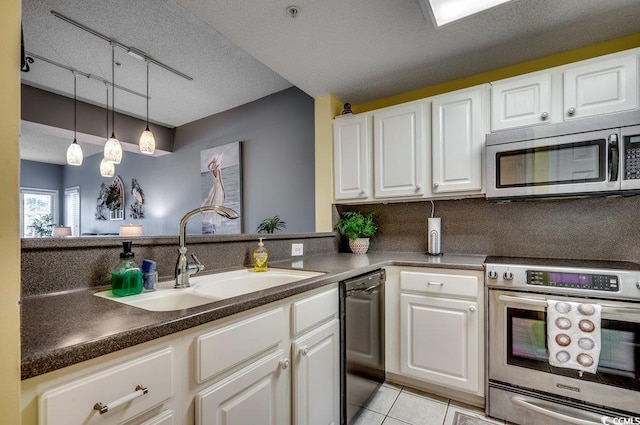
434,235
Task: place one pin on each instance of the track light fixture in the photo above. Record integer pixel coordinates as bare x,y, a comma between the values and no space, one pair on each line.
107,169
112,149
147,140
74,151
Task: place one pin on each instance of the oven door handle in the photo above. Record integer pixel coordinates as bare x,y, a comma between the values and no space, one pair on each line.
541,302
546,408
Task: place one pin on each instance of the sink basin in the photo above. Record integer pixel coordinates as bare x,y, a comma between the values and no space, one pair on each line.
209,288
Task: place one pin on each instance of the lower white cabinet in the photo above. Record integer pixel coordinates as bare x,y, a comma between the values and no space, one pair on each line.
434,330
253,395
439,342
316,376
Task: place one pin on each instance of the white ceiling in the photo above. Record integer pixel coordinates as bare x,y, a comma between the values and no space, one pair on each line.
241,50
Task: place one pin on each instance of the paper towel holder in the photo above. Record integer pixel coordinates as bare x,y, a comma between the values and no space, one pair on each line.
434,234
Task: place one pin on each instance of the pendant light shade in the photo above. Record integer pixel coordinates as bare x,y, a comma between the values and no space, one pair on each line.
112,149
74,151
147,140
107,169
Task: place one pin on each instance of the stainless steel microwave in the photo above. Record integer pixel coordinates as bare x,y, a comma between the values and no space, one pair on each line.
594,156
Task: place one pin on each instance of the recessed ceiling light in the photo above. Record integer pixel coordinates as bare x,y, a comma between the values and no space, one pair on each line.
447,11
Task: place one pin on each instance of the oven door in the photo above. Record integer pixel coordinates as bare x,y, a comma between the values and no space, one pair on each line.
518,354
573,164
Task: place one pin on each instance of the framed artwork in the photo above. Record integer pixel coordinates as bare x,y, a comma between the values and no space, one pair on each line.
221,184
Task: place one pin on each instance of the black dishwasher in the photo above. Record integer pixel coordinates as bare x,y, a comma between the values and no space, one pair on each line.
362,342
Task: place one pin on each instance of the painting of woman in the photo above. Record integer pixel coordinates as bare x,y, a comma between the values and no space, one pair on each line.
216,193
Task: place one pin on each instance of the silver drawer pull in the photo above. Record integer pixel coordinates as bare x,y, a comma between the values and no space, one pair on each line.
104,408
435,283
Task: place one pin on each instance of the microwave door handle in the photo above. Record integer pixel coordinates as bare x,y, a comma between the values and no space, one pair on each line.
549,409
614,157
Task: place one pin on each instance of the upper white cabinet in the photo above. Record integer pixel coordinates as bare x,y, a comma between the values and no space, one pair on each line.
521,101
601,86
598,86
459,125
352,157
399,149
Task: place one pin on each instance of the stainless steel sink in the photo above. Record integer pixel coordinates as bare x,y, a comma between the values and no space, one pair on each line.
206,289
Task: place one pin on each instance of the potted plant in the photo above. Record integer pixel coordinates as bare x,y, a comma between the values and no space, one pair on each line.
42,226
270,225
358,228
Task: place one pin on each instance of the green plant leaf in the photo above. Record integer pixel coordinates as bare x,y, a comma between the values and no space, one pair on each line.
355,225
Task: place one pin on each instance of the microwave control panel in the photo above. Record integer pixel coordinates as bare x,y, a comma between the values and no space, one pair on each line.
631,158
597,282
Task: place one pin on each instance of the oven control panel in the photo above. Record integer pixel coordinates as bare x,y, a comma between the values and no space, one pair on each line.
597,282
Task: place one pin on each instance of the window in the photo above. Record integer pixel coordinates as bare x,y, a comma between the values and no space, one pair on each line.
38,212
72,209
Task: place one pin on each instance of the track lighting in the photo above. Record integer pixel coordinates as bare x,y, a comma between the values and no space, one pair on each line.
74,151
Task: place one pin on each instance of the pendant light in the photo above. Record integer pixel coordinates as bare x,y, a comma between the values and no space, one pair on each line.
74,151
112,149
147,140
107,169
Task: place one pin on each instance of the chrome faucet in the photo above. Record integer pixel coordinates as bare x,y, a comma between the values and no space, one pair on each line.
184,269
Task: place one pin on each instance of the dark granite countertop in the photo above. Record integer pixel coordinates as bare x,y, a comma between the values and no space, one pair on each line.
65,328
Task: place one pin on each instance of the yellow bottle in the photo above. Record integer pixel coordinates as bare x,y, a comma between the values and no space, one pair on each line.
260,258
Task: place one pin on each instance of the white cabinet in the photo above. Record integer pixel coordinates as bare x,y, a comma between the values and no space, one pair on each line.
400,142
352,160
601,86
434,330
459,125
521,101
316,376
253,395
597,86
439,342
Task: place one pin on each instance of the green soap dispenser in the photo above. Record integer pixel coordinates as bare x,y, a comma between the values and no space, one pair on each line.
260,258
126,278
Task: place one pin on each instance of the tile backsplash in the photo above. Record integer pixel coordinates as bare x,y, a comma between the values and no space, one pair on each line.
604,228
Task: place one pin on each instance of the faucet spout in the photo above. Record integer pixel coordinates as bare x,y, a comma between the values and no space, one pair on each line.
183,268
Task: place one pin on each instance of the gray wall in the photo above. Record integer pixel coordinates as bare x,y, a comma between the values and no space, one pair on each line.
277,135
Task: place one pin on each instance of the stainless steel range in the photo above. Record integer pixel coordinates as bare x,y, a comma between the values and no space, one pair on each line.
523,387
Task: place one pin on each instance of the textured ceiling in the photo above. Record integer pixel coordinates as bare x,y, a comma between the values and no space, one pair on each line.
239,51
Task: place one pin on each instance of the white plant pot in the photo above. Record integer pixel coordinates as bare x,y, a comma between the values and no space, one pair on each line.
359,246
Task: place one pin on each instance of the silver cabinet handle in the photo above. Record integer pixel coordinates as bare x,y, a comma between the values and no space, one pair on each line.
104,408
304,350
436,185
284,363
435,283
544,116
472,308
418,187
571,111
363,192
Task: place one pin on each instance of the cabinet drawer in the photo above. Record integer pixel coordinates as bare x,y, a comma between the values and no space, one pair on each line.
435,283
232,345
73,403
165,418
314,310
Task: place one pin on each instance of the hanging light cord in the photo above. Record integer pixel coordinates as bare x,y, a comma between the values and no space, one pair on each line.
107,87
75,107
113,92
145,59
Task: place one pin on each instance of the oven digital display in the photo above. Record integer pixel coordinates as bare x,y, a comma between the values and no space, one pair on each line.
598,282
570,278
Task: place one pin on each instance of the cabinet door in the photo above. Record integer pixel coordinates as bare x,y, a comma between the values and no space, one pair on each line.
439,341
316,376
601,86
457,141
352,157
254,395
521,101
399,146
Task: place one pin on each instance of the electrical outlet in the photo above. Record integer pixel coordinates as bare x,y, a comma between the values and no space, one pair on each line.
297,249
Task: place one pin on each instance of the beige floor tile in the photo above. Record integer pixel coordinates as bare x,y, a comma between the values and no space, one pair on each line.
423,394
475,412
384,399
418,410
368,417
391,421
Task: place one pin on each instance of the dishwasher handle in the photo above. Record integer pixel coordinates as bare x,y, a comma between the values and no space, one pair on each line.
365,284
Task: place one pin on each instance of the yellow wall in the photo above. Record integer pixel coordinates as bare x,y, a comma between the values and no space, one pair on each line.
9,211
328,107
